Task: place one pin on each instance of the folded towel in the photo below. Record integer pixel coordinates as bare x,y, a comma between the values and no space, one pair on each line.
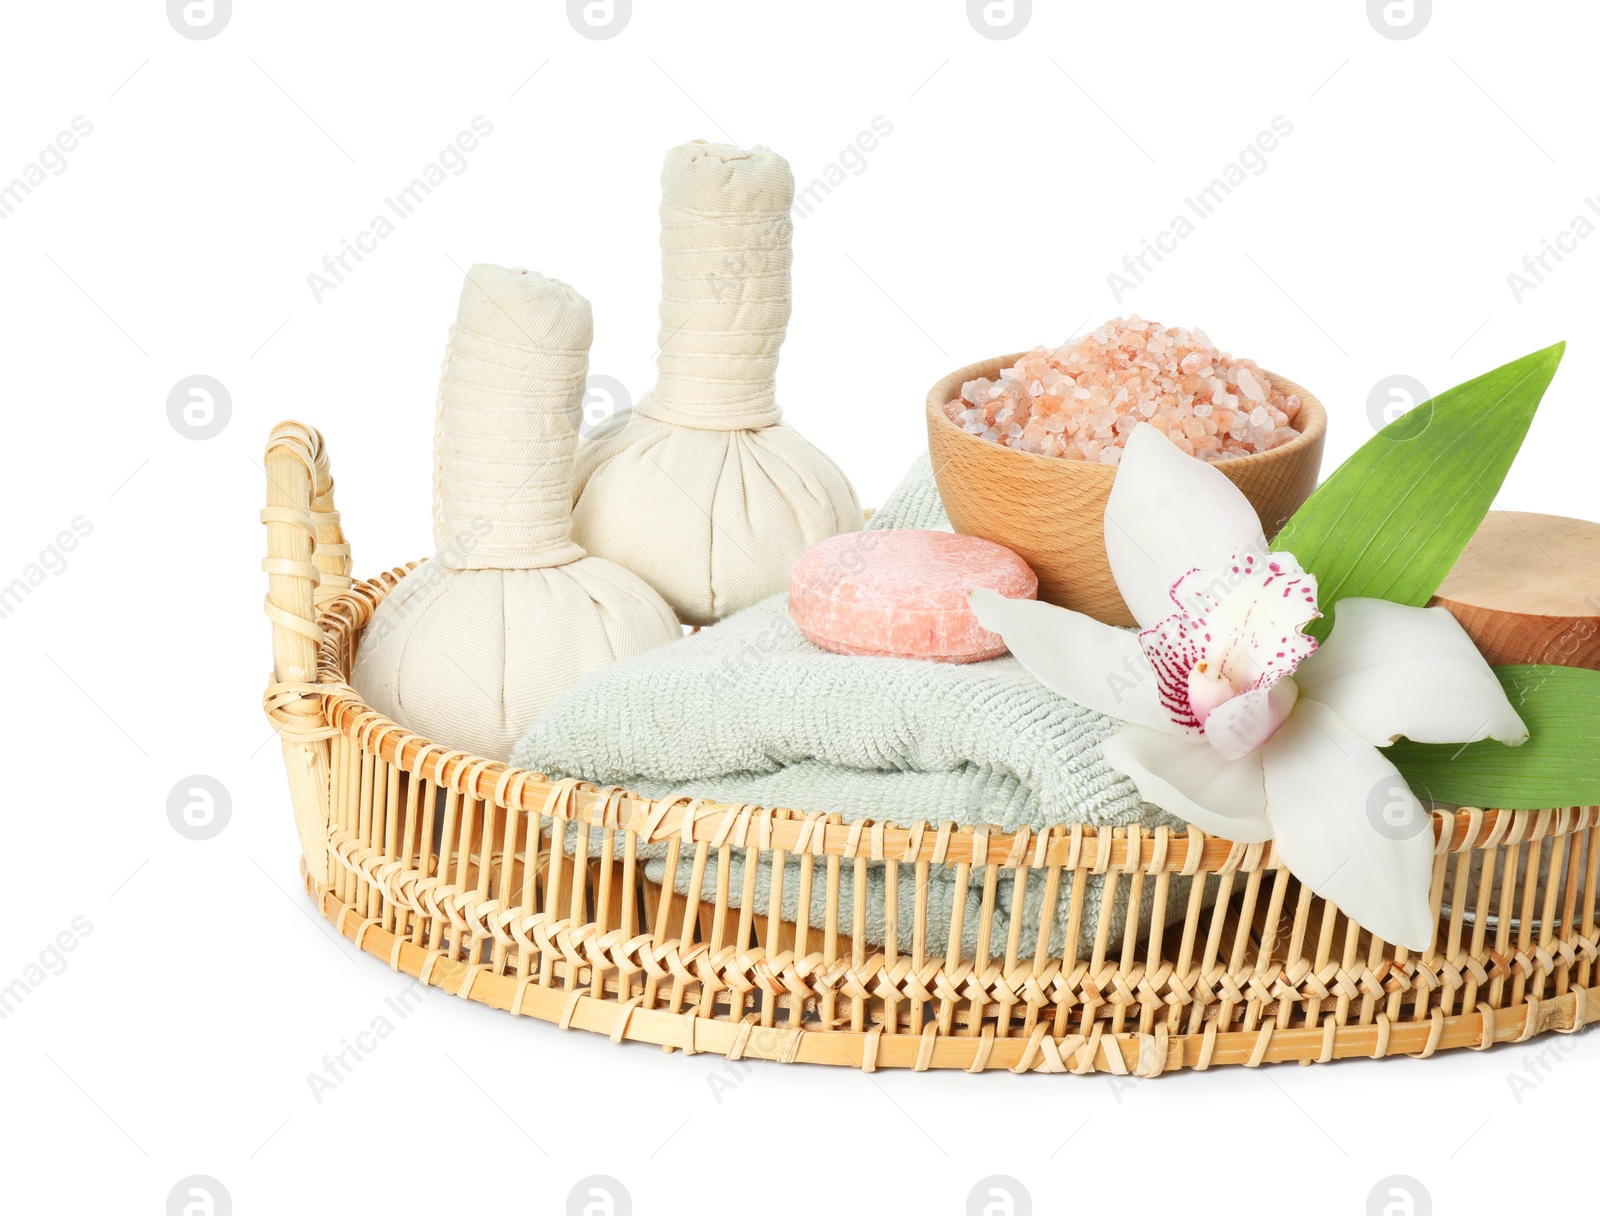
749,711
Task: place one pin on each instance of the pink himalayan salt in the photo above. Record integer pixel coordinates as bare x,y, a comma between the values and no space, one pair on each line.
903,594
1080,401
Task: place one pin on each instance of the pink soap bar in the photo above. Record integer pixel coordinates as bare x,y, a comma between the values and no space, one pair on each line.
902,593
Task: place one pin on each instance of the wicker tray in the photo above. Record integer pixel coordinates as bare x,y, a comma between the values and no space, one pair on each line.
1256,969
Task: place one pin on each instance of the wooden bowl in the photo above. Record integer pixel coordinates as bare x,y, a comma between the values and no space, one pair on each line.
1050,510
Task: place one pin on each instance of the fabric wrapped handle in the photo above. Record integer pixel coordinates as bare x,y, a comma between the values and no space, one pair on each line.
506,426
725,258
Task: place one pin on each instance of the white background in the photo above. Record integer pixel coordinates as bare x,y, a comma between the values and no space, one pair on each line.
178,1035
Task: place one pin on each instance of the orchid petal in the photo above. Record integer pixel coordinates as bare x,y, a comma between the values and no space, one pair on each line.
1095,664
1346,825
1172,649
1186,777
1248,616
1168,514
1389,670
1241,724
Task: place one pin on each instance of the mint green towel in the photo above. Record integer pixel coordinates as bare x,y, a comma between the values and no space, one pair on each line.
749,711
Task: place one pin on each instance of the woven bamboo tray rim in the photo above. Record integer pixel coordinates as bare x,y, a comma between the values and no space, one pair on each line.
1118,1053
1299,981
826,834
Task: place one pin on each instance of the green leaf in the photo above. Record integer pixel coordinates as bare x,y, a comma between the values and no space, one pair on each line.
1558,766
1393,519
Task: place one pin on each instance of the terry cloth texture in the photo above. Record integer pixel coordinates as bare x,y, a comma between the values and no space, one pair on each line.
748,711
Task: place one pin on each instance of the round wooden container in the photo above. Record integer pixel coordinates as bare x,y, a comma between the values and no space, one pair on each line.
1050,511
1527,590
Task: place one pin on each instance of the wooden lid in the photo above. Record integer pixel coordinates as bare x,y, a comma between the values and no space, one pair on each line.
1527,589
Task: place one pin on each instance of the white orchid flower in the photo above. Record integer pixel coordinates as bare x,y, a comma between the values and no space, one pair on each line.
1234,718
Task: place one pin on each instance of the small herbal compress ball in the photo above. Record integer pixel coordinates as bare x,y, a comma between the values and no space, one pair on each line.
472,646
702,489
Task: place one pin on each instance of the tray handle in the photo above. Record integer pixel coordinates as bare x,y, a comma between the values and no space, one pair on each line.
307,564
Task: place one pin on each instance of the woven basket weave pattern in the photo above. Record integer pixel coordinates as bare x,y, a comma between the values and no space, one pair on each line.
441,863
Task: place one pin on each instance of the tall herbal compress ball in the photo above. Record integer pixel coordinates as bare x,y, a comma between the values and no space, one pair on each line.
471,646
701,488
